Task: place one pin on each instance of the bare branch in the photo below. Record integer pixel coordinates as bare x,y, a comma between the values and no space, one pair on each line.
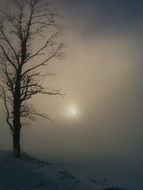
54,92
6,108
43,115
43,47
55,54
10,44
7,57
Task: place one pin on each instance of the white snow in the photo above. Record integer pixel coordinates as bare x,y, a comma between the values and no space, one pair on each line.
30,174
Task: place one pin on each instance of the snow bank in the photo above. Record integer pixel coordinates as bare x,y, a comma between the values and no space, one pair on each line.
31,174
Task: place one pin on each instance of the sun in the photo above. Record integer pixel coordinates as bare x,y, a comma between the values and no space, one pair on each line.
72,111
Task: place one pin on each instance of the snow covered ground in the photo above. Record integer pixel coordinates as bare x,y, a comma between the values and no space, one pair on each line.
29,174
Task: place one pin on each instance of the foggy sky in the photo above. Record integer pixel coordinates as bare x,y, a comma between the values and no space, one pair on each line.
102,75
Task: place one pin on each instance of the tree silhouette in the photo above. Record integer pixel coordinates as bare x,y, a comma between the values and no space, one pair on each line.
29,41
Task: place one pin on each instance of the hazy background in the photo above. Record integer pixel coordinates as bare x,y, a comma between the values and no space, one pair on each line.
102,76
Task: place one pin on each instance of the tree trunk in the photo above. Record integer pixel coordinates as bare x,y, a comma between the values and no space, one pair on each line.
16,142
16,120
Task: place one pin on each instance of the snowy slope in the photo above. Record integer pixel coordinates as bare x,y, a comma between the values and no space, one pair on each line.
30,174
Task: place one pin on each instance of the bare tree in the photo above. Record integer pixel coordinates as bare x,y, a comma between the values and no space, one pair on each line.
29,41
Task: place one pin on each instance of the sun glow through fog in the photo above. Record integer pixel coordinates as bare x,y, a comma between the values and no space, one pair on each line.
72,111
